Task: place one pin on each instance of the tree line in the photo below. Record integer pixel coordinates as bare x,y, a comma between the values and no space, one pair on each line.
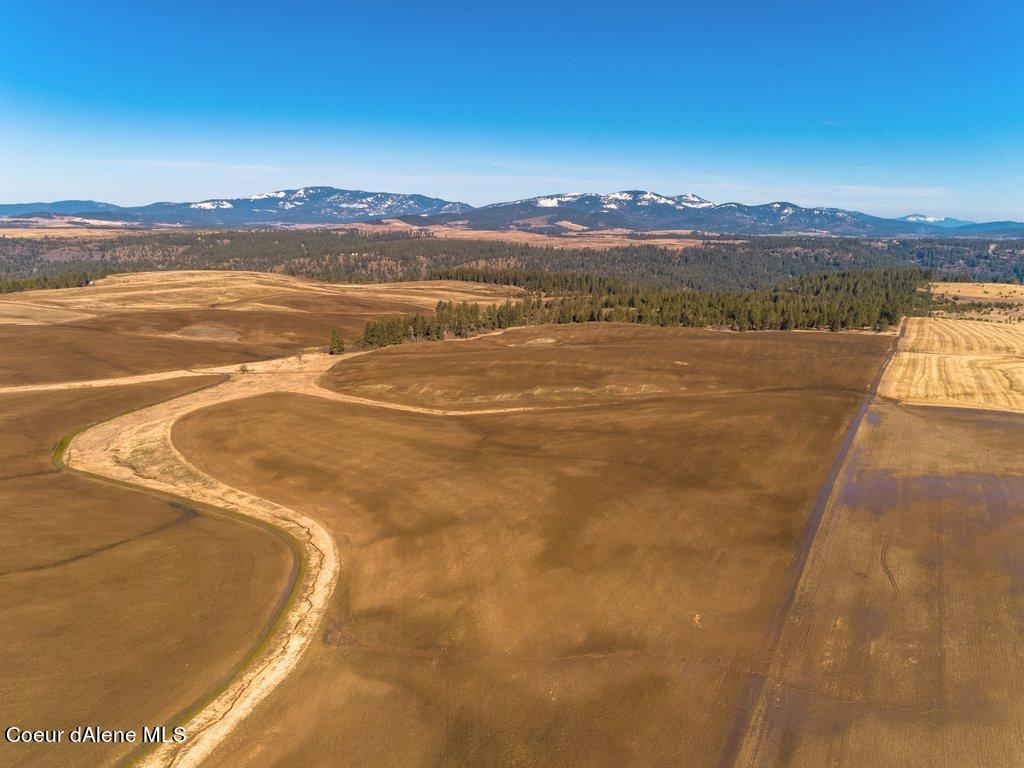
729,264
853,299
58,280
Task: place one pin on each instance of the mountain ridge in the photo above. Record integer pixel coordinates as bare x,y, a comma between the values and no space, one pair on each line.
636,209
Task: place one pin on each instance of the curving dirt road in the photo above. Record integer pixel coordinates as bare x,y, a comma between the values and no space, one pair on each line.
136,448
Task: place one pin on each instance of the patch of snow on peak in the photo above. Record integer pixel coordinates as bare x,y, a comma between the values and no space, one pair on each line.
547,202
210,205
650,198
690,200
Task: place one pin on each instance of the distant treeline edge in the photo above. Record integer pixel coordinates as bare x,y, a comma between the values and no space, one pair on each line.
734,264
854,299
40,282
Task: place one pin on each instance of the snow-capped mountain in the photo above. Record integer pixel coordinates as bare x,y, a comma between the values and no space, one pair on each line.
645,210
308,205
630,200
634,209
939,221
693,201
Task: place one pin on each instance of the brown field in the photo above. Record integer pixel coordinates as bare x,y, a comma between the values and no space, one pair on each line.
142,323
243,291
574,236
593,545
38,230
117,607
582,585
905,647
121,607
958,362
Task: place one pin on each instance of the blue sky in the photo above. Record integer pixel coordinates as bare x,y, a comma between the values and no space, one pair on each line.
889,108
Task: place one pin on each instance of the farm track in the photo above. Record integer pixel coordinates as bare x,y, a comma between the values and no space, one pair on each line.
137,449
754,683
956,365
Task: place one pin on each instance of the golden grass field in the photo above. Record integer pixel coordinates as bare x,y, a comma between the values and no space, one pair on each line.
966,363
988,293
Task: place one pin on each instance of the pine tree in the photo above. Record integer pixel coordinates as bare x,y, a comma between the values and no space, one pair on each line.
337,346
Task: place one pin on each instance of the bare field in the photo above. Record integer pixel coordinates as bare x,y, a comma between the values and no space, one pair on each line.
121,607
559,545
958,362
38,230
580,585
576,364
38,354
142,323
117,608
904,646
239,291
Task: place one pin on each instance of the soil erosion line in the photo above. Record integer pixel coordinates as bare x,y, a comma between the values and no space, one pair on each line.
754,681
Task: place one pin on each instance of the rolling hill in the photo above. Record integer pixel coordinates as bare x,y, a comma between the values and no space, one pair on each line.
308,205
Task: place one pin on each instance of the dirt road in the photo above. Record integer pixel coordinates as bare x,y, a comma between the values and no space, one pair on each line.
136,448
754,684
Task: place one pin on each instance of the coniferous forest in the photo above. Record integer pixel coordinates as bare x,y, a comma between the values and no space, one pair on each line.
350,256
855,299
39,282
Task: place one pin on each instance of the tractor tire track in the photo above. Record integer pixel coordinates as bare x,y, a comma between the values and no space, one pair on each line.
754,682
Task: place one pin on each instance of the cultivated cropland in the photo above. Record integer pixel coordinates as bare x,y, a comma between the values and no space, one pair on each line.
515,516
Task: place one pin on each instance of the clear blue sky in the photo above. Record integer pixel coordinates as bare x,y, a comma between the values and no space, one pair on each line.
887,107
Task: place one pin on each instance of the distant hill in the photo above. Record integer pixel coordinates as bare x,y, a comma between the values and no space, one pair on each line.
640,210
308,205
61,207
643,210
